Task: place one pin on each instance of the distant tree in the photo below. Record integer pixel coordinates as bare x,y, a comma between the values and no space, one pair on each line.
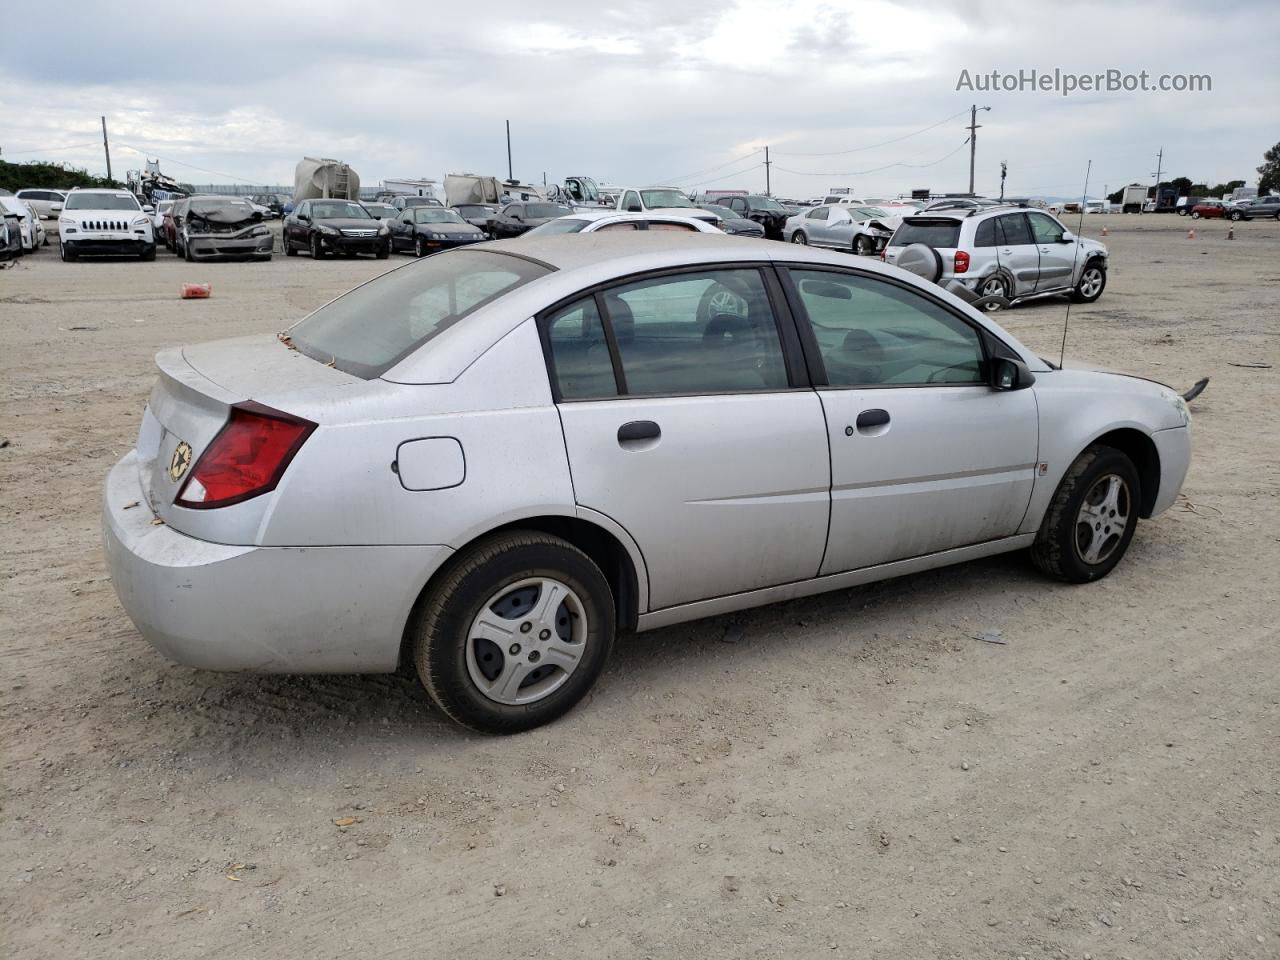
1222,189
1115,197
1269,172
16,176
1180,184
1198,189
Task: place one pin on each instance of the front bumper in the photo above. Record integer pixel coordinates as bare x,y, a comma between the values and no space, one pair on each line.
449,244
209,246
266,609
342,244
108,244
1174,449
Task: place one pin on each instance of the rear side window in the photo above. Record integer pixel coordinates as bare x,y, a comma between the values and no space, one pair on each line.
580,352
874,333
709,332
986,235
1012,230
818,213
932,232
376,325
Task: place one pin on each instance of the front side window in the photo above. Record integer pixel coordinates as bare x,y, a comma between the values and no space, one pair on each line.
631,201
707,332
580,352
623,226
874,333
1045,229
376,325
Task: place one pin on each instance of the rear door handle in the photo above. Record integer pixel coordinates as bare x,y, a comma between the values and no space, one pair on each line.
872,418
638,430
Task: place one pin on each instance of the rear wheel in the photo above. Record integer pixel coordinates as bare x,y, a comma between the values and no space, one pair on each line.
1091,519
995,286
1236,215
186,251
515,633
800,238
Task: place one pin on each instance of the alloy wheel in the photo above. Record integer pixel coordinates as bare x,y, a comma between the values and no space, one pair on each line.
1091,282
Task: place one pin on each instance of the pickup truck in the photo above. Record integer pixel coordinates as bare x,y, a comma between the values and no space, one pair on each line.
667,200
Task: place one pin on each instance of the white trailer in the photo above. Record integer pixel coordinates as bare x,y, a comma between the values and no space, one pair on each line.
1133,198
317,177
410,188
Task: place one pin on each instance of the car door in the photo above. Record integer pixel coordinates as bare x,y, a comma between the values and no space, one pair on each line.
815,224
925,456
402,233
1017,252
686,423
1056,256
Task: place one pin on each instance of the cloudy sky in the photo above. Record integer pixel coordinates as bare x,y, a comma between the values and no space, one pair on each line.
653,91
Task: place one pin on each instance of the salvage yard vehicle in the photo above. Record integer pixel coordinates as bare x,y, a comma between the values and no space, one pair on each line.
610,221
1255,208
224,226
520,217
860,230
489,462
1208,210
380,211
1015,253
46,203
30,229
733,223
99,221
326,227
766,211
10,235
477,214
405,203
424,230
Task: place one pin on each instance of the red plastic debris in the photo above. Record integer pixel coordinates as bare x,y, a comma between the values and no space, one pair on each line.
196,291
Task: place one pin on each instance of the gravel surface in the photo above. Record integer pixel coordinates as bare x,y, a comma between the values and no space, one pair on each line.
852,775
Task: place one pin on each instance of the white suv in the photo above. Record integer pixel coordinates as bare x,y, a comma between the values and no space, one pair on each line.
105,222
1017,253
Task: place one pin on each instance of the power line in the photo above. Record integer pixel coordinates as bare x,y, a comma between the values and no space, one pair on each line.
148,153
872,146
732,173
72,146
699,173
887,166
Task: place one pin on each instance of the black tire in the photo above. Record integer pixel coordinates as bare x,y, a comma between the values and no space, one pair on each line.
148,255
289,249
1182,212
314,244
68,255
383,251
863,246
1195,215
1057,551
986,289
1277,215
800,238
442,619
1236,215
1092,270
418,249
187,255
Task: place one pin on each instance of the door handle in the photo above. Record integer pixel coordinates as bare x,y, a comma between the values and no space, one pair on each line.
638,430
872,418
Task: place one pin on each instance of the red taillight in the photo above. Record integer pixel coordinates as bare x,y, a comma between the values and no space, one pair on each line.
962,262
246,458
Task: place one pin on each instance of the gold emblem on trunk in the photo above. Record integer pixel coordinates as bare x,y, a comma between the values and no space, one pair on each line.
180,460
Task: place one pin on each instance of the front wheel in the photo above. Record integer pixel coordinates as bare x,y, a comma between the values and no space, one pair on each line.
1236,215
418,249
1091,519
186,252
800,238
317,252
67,255
289,249
515,633
1195,215
1093,280
383,251
149,254
864,246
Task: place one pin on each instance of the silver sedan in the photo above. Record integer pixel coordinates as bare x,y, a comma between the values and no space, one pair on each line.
861,230
490,462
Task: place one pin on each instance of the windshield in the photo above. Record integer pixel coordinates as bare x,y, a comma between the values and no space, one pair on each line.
872,212
339,210
436,215
931,232
559,225
765,203
589,189
101,201
380,210
369,330
476,210
545,210
664,198
421,202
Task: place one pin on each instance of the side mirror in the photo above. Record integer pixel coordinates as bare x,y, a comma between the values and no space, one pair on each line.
148,208
1067,237
633,208
304,217
55,207
1009,374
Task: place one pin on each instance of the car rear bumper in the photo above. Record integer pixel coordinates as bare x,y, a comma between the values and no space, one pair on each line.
1174,449
208,247
266,609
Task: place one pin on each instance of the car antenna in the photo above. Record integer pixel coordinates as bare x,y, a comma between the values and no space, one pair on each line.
1075,257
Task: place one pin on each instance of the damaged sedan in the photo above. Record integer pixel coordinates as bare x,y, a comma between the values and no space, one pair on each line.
224,227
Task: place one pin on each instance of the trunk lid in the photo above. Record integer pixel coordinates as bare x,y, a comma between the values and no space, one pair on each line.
190,403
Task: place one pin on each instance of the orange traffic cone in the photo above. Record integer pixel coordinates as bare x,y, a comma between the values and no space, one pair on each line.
1191,234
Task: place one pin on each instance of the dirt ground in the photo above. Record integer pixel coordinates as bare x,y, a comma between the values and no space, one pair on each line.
851,775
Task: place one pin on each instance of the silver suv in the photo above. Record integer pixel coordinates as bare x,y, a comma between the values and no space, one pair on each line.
1017,253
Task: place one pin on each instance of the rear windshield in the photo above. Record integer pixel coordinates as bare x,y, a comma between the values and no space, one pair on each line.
932,232
369,330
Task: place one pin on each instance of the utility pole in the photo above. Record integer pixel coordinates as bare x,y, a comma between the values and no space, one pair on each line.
1159,167
1004,171
768,187
105,148
510,175
973,139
